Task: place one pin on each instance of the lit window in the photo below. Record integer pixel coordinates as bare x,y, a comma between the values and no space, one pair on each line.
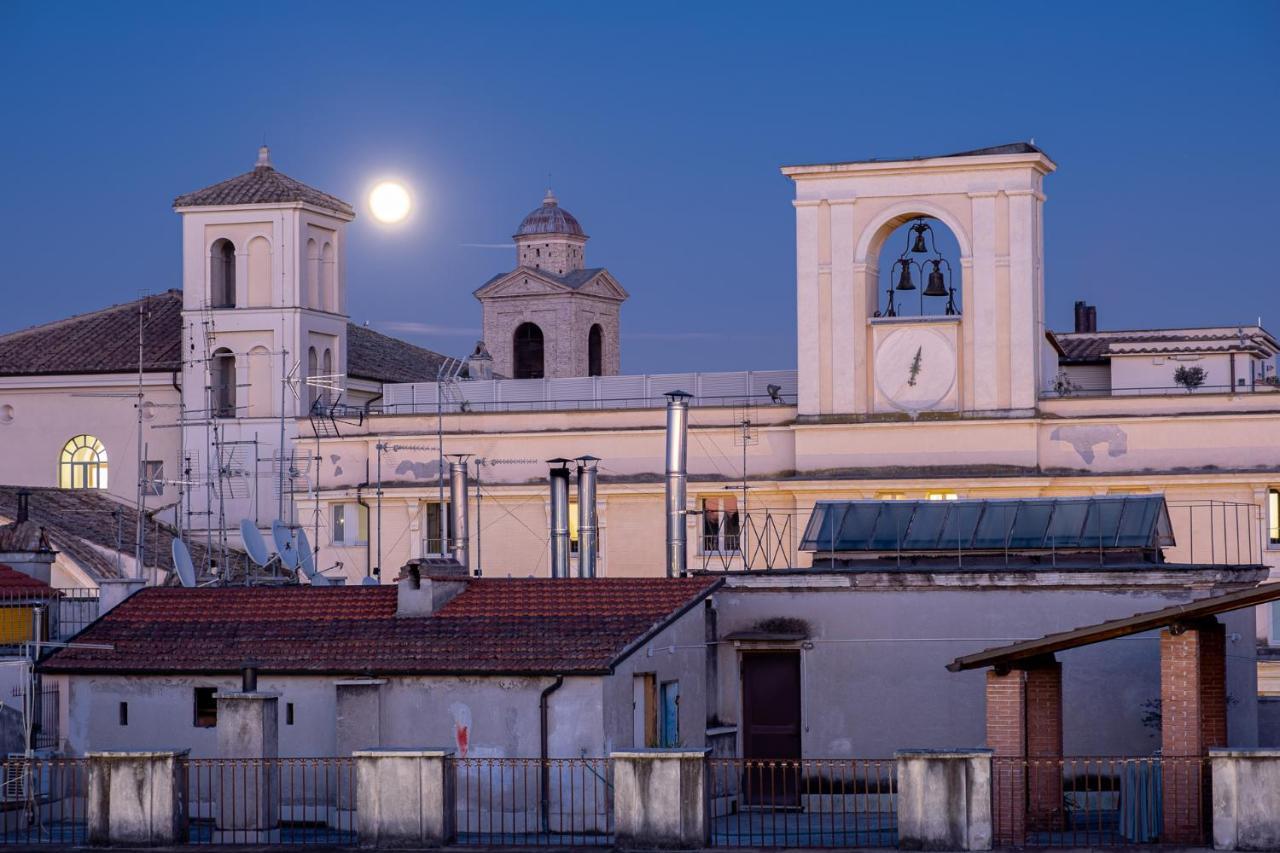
205,713
83,464
349,524
721,525
943,496
435,526
891,496
1273,516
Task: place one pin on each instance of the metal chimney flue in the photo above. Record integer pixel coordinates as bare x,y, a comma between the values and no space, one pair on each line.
459,532
24,506
559,478
587,532
677,461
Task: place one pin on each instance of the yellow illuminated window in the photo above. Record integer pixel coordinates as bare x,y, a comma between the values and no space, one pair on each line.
1273,516
943,496
891,496
83,464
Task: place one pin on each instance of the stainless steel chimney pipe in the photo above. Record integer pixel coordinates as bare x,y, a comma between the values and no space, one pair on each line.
677,459
587,548
459,533
559,518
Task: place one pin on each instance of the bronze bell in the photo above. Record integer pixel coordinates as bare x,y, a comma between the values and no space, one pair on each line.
937,285
919,247
904,280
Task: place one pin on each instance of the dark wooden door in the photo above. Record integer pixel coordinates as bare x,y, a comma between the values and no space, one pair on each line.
771,728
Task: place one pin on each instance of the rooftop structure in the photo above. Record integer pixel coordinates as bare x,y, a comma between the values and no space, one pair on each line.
263,185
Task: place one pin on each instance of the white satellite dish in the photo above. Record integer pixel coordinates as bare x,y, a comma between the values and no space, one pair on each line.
182,563
369,581
321,580
285,545
306,558
253,542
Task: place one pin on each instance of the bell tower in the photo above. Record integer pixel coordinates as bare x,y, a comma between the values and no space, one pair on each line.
984,354
264,307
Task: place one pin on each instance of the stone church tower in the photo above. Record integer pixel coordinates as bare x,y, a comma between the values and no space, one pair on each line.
552,316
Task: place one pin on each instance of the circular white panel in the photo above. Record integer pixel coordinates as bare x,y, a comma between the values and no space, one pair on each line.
915,368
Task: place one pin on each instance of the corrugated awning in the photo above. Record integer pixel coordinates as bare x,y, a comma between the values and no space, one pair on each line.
1136,624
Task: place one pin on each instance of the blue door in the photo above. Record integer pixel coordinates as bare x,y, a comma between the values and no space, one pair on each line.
669,731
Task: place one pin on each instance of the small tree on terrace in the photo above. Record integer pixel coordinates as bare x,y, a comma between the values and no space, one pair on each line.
1190,378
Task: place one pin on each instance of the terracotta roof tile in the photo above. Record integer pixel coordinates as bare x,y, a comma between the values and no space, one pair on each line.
13,581
494,626
262,185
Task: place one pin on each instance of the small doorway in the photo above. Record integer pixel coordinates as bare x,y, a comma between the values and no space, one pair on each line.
771,728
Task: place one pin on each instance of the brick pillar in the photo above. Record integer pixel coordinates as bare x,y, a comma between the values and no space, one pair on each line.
1024,730
1193,717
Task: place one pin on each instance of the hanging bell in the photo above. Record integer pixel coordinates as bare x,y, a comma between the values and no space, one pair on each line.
904,280
919,247
937,285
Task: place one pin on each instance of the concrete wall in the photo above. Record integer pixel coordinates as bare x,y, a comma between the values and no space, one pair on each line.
873,676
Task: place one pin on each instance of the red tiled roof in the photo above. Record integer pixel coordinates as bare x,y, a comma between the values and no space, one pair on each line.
262,185
1081,347
12,580
494,626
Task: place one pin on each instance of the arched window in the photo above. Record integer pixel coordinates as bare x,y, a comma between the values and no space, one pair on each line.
312,288
259,272
83,464
328,279
222,369
326,393
260,385
313,370
595,351
916,273
222,274
528,351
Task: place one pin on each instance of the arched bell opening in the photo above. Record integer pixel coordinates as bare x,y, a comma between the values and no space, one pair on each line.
919,270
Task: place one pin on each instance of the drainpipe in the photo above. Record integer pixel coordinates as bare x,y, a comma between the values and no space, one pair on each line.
368,540
586,516
559,518
545,800
677,459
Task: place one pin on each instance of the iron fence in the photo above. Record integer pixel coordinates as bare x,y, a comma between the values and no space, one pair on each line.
270,800
559,802
1100,801
812,802
750,540
43,801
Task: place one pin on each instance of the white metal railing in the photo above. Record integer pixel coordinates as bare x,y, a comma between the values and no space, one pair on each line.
641,391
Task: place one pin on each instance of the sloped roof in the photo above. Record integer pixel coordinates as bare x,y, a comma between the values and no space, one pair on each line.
13,582
574,279
493,626
102,341
1085,347
262,185
106,341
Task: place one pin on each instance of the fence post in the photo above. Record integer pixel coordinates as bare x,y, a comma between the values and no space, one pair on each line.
660,798
1245,786
135,798
405,797
944,799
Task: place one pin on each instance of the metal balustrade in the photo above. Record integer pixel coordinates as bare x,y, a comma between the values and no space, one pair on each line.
44,801
524,802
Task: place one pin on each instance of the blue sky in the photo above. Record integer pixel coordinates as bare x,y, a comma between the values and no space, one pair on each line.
662,127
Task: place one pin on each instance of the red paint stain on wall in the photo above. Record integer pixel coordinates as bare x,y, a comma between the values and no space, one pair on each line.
460,736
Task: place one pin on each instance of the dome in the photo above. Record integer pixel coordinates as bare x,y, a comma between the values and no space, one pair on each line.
551,218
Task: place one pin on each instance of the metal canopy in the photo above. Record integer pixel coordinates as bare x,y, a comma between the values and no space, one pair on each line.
1021,524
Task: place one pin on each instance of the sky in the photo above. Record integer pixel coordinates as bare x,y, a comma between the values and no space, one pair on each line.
660,126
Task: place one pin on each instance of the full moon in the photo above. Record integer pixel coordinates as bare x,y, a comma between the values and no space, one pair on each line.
389,202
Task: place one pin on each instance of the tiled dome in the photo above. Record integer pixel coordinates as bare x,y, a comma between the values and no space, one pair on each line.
551,218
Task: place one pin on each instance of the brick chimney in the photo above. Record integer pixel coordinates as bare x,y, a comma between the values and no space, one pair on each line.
1086,317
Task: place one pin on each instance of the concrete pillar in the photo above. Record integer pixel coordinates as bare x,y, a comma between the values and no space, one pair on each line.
1246,799
1193,718
1024,729
944,799
660,798
248,809
112,591
406,797
135,798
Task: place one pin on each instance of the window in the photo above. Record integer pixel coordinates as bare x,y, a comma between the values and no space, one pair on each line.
528,362
595,351
350,524
222,274
721,525
942,496
83,464
205,711
326,364
1275,624
435,528
222,369
669,729
288,713
153,477
124,713
573,527
891,496
313,370
1273,517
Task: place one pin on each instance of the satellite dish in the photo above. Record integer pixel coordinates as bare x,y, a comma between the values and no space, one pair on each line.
306,557
253,542
285,545
320,580
182,563
368,581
